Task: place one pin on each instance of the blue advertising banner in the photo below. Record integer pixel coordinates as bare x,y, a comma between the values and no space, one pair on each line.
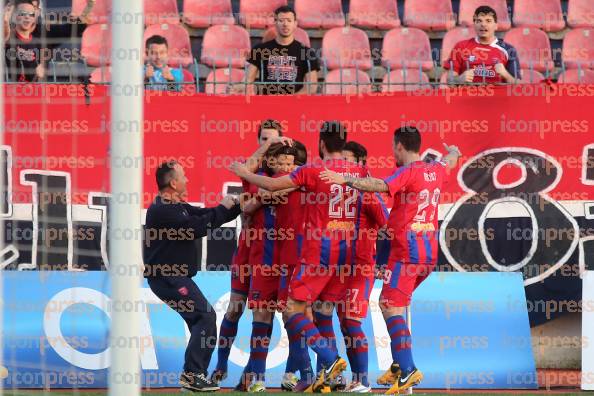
470,330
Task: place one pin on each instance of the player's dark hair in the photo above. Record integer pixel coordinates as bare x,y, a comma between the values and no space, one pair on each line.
301,157
270,124
283,10
409,137
273,152
334,136
156,39
19,2
358,150
485,10
165,173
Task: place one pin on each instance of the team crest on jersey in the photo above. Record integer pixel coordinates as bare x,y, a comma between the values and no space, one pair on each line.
471,58
481,71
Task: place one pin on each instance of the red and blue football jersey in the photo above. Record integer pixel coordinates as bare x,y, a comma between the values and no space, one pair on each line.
331,211
482,58
413,221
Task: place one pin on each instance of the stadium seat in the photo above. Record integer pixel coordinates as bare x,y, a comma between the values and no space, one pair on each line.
374,14
429,14
225,44
578,49
300,35
218,81
258,14
101,75
531,76
453,37
205,13
395,81
180,50
95,45
575,76
542,14
405,48
345,82
467,8
160,11
533,46
314,14
346,47
580,13
101,12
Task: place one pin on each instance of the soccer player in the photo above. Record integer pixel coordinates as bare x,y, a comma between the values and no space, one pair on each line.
484,58
269,132
265,264
372,216
290,219
415,187
330,221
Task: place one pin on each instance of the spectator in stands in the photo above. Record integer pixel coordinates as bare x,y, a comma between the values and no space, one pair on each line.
485,58
157,73
25,52
284,64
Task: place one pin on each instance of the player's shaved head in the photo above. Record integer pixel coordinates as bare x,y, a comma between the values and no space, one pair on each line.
165,173
409,137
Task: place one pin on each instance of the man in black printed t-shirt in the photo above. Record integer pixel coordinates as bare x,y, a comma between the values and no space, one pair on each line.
284,63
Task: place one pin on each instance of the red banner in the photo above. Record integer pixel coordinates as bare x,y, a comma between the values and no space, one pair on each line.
58,128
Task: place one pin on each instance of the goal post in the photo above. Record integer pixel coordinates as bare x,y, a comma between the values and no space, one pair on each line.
125,255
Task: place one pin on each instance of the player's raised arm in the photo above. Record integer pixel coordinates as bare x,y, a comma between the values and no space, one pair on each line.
254,161
360,183
451,158
268,183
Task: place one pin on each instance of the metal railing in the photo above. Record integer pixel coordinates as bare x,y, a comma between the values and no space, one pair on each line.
343,81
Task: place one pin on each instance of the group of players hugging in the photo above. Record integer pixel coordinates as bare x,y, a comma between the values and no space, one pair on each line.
315,236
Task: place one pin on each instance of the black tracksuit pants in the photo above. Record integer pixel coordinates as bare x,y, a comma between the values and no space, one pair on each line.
184,296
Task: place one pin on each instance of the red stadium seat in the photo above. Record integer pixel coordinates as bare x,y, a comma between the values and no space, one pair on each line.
205,13
346,48
531,76
101,12
160,11
575,76
374,14
580,13
429,14
578,48
101,75
347,82
300,35
314,14
219,81
225,44
178,39
405,48
452,38
533,46
467,8
399,80
258,14
541,14
95,45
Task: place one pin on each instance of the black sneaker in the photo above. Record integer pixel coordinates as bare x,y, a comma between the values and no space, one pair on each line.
196,383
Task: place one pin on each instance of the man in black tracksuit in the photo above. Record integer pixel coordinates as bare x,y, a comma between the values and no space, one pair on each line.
171,260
